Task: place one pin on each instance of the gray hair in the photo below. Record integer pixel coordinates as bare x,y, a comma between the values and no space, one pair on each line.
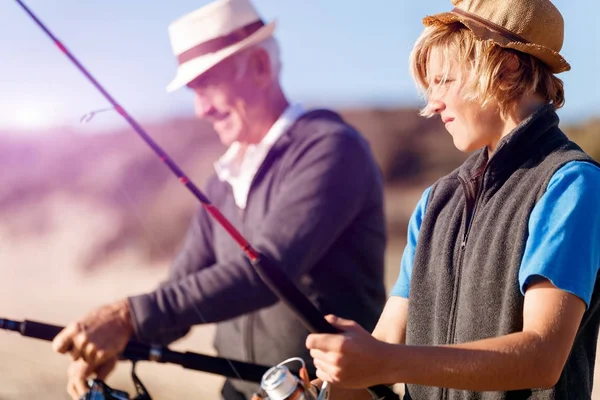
271,46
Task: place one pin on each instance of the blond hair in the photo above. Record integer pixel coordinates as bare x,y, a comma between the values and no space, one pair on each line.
489,68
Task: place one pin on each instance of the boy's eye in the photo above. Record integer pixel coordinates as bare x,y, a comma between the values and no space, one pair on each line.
438,81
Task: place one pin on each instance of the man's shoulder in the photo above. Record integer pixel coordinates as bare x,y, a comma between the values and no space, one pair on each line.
324,125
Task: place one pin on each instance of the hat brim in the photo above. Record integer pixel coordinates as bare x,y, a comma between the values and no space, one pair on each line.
192,69
551,58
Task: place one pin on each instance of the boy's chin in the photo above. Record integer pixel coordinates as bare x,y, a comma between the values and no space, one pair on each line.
465,147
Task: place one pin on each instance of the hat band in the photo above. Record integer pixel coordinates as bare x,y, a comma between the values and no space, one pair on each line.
513,37
219,43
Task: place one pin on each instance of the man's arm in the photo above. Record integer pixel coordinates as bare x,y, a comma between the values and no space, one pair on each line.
321,194
197,251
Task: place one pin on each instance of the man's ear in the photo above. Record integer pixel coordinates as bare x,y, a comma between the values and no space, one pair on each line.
260,67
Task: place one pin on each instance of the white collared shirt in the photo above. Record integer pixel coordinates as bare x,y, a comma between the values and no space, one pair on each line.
238,167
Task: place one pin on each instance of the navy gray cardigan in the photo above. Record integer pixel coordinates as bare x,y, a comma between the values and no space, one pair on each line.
316,208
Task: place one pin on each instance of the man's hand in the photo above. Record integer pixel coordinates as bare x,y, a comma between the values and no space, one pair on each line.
99,336
79,371
352,359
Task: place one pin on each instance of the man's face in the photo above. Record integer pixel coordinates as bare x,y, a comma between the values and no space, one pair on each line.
226,96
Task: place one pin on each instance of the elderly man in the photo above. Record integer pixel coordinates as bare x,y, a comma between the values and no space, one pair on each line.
301,185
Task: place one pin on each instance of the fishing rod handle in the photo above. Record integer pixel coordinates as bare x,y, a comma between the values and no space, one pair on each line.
136,351
43,331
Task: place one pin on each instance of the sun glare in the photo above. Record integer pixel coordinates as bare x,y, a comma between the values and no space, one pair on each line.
33,119
29,117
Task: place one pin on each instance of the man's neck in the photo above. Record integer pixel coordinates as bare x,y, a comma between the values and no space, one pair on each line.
272,111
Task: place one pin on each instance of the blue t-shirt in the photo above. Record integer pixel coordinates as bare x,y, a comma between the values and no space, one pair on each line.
563,245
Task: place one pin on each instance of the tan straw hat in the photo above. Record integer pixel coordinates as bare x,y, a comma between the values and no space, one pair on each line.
534,27
207,36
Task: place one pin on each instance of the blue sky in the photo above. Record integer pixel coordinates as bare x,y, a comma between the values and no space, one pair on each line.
335,53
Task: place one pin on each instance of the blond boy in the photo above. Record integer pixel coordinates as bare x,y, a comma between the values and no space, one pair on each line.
498,294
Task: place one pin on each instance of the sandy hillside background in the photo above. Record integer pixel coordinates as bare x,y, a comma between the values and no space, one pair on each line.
91,219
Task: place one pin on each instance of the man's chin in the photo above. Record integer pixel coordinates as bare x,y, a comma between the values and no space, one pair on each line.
227,138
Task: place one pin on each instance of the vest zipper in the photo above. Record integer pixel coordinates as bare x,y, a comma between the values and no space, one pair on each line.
471,201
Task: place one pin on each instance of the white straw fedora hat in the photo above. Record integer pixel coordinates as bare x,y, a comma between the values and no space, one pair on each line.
204,37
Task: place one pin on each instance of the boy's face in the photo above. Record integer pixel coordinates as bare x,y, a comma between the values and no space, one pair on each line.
471,126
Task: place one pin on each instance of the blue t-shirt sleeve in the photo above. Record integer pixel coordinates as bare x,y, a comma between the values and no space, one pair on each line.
401,288
564,232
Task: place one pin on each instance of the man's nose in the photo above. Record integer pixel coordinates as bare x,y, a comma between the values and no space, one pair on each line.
202,106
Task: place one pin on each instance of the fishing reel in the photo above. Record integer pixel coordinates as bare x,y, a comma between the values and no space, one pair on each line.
99,390
279,383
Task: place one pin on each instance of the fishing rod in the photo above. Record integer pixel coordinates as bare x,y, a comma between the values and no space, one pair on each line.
270,273
136,351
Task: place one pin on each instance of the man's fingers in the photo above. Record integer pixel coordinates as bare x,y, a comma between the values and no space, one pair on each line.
89,353
74,353
63,342
72,391
79,343
77,384
78,373
79,388
99,358
106,368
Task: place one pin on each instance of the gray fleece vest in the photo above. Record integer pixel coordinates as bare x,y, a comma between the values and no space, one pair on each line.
466,287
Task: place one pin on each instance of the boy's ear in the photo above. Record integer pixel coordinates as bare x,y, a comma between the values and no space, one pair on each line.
512,63
510,66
